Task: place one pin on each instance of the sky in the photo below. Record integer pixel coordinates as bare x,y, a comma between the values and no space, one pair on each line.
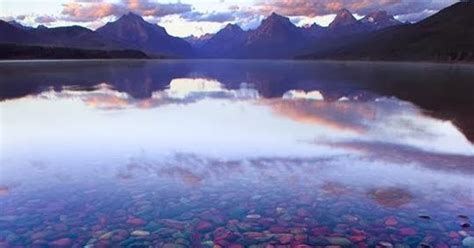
198,17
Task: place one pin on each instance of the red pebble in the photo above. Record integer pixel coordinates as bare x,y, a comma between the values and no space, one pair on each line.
285,238
358,238
278,229
203,226
407,231
135,221
391,221
453,235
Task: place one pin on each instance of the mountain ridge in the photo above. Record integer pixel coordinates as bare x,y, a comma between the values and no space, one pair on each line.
133,30
372,37
445,36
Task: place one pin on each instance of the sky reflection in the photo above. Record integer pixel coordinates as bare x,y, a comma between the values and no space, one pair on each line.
201,117
200,149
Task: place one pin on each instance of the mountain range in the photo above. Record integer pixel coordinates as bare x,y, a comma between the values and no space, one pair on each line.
447,35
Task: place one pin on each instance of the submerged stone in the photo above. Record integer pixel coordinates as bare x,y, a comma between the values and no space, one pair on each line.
468,241
64,242
135,221
344,242
140,233
106,236
407,231
253,216
285,238
203,226
465,225
385,244
391,221
424,216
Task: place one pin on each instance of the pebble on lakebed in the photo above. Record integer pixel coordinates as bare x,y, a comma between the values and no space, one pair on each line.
254,216
468,241
140,233
424,216
380,220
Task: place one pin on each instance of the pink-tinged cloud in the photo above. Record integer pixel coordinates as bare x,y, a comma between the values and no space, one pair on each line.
313,8
148,8
88,12
93,10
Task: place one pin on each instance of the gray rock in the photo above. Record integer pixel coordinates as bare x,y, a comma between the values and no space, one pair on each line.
468,241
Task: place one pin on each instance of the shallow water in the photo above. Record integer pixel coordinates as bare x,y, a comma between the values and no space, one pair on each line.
236,153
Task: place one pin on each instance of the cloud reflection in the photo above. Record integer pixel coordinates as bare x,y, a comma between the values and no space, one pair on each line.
180,91
338,116
325,122
201,116
4,190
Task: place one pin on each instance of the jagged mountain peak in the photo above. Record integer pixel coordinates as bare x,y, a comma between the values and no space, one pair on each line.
380,15
19,25
131,16
343,18
233,28
276,23
344,12
314,26
274,17
133,30
380,19
132,22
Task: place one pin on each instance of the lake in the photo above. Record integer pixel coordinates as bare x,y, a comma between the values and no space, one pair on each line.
236,153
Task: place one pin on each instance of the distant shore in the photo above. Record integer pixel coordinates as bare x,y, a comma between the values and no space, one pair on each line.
32,52
108,56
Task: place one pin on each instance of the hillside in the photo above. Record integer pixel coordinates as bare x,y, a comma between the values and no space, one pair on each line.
14,52
445,36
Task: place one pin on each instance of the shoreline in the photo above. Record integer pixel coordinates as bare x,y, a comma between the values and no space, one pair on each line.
468,63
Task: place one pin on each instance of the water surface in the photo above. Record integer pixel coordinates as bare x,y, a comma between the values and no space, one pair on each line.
236,154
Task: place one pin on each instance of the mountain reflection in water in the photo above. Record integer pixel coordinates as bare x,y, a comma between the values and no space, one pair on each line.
444,91
197,163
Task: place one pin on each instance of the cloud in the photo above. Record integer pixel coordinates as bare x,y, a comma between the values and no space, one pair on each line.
147,8
88,12
413,17
46,19
177,26
209,17
13,18
93,10
324,7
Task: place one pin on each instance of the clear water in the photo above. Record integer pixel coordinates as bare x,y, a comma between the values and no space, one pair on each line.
236,154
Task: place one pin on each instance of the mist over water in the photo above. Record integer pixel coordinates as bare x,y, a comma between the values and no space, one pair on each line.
229,153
